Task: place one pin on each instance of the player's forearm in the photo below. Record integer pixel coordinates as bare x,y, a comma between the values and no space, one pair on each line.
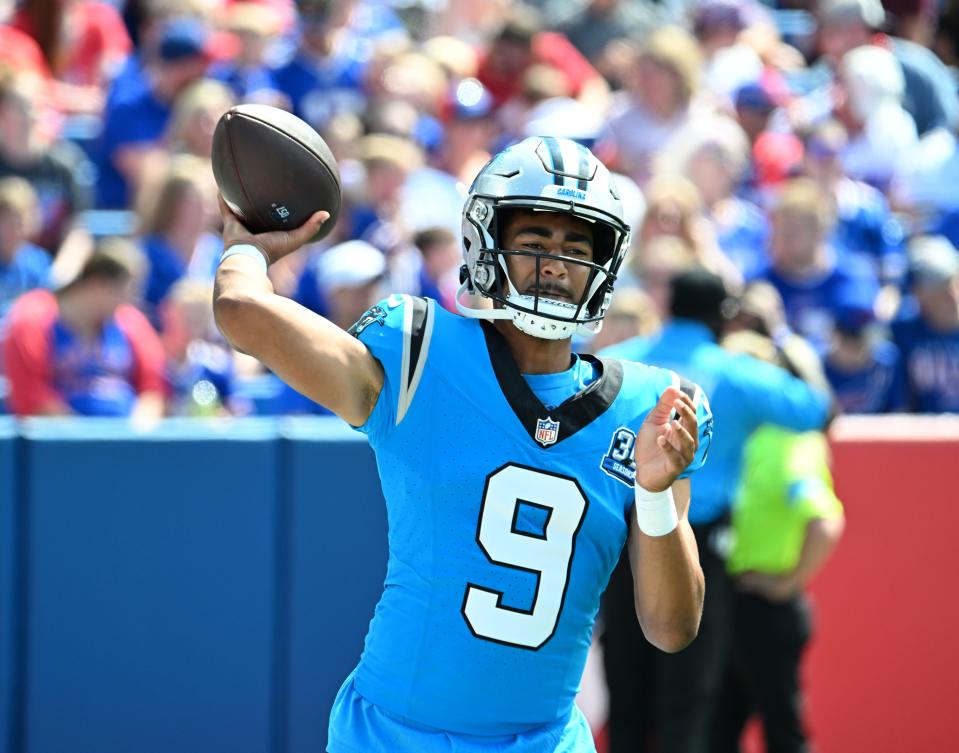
668,586
308,352
238,293
668,583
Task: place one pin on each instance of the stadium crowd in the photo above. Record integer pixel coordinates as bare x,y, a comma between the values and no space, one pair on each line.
810,145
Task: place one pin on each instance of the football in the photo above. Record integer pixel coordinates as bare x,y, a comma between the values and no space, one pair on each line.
273,170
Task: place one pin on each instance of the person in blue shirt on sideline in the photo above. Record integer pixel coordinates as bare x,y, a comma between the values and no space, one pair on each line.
514,470
744,393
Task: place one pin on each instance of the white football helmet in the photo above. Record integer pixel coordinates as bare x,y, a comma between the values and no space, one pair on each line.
551,175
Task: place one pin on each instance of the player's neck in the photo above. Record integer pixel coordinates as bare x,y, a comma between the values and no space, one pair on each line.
533,355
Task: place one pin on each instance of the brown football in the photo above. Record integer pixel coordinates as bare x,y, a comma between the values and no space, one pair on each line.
273,170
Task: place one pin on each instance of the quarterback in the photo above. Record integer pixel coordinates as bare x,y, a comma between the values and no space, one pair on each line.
514,470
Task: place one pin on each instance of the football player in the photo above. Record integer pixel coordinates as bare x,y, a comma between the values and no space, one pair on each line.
514,470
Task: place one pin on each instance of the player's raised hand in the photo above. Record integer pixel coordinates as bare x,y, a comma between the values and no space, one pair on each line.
275,244
665,445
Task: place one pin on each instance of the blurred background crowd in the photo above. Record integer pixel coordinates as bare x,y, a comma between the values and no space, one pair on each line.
805,151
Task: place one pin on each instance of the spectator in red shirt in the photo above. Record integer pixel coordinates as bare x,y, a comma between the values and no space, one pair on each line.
85,350
83,43
519,45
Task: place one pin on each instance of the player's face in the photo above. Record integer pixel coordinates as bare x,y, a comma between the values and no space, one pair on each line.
560,237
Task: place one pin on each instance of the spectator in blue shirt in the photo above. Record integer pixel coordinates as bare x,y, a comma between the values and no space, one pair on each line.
23,266
200,373
176,219
863,368
865,227
744,393
135,117
716,164
325,75
247,74
929,340
805,267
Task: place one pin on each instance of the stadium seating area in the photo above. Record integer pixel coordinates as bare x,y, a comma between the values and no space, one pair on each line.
729,123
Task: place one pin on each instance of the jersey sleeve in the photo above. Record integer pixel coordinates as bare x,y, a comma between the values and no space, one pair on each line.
398,332
27,360
704,419
774,396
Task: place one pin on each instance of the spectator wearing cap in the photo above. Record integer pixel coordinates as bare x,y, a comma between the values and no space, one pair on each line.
929,93
85,350
346,280
868,100
865,226
137,114
720,27
929,339
23,265
435,191
334,280
757,104
863,367
680,691
519,44
805,268
466,114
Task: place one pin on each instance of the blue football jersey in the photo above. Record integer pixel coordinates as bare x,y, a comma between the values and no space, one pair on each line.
505,521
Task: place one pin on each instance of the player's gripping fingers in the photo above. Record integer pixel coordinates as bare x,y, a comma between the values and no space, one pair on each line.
301,235
674,457
659,415
685,413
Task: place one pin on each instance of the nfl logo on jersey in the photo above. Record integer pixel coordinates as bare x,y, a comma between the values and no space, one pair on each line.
547,431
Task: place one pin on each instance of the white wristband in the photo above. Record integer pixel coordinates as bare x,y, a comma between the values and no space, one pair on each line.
655,511
245,249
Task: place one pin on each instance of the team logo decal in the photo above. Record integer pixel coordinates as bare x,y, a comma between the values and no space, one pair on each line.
547,431
618,462
376,314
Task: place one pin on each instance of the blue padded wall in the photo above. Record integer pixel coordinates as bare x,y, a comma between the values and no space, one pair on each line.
151,587
337,561
8,579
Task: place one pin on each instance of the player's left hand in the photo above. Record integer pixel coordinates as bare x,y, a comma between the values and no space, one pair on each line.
665,446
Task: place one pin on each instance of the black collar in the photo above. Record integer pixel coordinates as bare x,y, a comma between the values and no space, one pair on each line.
574,414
